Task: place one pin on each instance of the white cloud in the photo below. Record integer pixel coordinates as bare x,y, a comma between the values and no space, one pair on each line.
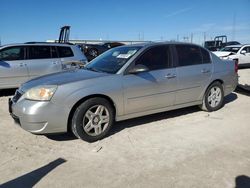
177,12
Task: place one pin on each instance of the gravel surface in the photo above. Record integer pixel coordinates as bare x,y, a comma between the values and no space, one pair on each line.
181,148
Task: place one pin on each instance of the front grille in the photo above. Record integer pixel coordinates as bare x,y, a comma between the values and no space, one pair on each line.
17,96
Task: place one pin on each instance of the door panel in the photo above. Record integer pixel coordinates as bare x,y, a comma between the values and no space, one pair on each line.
245,58
193,72
191,82
42,60
13,69
12,73
149,90
38,67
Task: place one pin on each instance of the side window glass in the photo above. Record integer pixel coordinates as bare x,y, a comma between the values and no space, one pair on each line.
39,52
156,58
205,56
53,52
12,53
65,51
247,49
188,55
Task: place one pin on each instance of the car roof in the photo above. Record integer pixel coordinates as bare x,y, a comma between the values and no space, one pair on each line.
235,46
149,44
36,44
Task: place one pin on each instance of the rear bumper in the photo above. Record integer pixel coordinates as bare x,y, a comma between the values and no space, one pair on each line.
39,117
231,86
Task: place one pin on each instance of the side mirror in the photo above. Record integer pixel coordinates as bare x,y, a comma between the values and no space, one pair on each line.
243,52
138,69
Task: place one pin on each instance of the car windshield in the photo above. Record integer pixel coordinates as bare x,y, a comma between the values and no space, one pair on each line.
112,60
230,49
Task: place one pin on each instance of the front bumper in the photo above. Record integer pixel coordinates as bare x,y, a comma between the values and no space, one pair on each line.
39,117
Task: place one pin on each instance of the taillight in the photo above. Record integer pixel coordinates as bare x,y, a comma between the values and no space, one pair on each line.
236,65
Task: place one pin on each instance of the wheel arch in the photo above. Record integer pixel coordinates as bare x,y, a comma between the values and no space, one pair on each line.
216,80
84,99
205,91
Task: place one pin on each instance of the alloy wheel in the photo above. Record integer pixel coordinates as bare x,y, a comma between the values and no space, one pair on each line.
96,120
214,96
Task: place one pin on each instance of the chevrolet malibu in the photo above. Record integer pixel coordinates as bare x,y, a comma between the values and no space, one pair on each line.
123,83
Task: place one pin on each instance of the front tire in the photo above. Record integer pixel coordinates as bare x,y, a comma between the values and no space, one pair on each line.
213,98
92,119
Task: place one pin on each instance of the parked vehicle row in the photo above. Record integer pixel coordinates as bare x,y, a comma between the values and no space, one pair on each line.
124,82
236,52
218,43
93,50
21,62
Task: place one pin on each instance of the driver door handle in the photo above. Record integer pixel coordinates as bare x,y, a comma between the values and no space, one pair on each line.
169,76
205,71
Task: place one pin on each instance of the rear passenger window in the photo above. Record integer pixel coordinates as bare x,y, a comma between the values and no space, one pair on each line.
205,56
188,55
65,51
12,53
156,58
39,52
53,52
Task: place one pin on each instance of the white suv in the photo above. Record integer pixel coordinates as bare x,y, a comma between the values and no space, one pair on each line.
21,62
240,52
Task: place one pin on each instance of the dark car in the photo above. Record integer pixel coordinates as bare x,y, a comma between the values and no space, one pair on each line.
91,51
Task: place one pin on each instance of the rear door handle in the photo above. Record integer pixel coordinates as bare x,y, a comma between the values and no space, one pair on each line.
22,64
205,71
55,62
169,76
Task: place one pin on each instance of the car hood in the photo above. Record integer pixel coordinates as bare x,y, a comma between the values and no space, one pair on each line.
61,78
223,54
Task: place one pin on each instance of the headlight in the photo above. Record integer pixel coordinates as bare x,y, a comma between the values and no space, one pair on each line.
41,93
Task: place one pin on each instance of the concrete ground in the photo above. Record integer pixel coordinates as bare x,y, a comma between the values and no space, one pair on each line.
181,148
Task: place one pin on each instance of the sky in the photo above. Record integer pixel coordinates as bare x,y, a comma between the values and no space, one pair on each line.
157,20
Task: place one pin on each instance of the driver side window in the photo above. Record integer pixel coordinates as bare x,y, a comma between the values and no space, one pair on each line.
12,53
247,49
155,58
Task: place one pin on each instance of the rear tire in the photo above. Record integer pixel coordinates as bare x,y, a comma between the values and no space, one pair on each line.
213,98
92,119
93,52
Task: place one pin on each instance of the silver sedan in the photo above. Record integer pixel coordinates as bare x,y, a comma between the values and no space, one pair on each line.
124,82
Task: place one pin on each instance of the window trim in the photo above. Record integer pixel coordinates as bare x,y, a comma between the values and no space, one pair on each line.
132,64
19,46
209,54
58,51
29,52
177,57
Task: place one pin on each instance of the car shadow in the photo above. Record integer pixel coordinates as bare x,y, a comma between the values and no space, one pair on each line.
243,89
32,178
7,92
62,137
230,98
242,181
119,126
